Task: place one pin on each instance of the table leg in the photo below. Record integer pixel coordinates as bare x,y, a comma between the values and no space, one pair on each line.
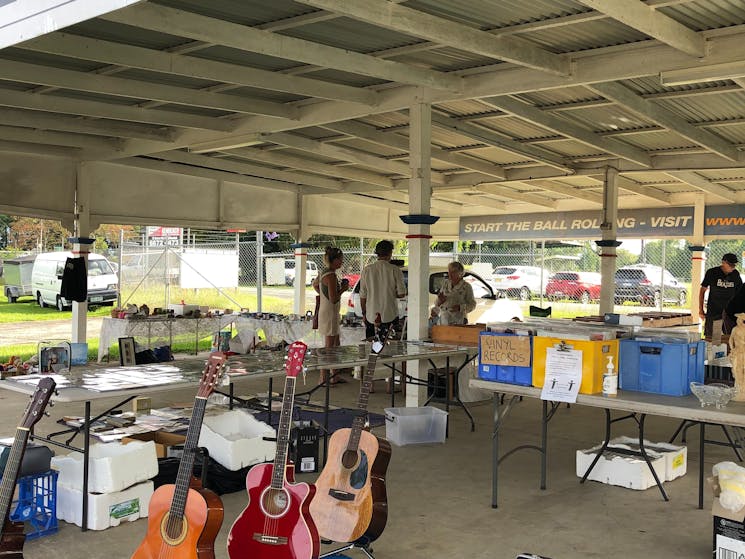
544,443
326,402
495,452
701,446
643,452
447,395
602,449
230,396
456,383
86,463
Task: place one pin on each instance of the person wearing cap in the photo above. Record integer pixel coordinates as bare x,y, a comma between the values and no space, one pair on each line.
722,282
381,284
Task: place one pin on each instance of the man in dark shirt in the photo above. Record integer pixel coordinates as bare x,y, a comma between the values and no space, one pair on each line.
722,282
735,306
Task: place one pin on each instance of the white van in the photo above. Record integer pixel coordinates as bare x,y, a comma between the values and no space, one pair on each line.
46,280
311,272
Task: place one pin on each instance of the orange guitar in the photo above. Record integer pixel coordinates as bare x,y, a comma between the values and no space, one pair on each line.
184,519
276,523
350,499
11,533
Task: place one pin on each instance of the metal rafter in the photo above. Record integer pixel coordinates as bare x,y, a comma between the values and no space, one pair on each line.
697,181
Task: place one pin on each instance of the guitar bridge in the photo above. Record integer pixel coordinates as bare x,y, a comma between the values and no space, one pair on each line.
271,540
341,495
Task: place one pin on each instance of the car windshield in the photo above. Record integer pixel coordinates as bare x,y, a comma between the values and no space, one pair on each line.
98,267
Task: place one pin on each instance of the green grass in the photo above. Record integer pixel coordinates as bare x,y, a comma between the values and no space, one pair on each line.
27,310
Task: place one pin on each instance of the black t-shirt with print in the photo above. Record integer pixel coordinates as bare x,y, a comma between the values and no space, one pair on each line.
722,287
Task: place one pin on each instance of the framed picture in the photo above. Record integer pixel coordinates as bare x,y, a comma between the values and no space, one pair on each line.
127,351
54,359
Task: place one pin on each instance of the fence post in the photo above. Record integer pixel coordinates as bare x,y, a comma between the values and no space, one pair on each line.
259,268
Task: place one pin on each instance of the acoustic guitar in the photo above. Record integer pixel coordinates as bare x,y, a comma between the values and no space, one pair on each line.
12,537
184,518
276,524
351,499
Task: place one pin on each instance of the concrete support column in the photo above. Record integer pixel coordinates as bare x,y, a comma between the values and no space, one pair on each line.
81,245
301,259
698,256
608,244
419,221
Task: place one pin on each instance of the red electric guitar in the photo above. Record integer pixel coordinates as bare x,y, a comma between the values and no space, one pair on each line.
184,519
351,499
277,524
11,533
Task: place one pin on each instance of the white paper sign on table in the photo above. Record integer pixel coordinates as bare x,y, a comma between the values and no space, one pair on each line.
563,375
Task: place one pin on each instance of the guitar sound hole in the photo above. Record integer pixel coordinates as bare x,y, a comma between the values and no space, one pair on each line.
349,459
276,502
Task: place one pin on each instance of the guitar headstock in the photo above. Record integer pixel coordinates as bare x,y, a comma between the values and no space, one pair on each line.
383,333
211,375
35,409
295,357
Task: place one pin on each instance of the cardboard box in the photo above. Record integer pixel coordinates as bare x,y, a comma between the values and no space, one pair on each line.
624,470
467,334
728,527
167,445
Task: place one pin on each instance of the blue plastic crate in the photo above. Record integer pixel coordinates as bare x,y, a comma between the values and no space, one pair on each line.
506,373
660,368
37,504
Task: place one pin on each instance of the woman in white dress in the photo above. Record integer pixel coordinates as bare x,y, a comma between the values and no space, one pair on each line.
330,289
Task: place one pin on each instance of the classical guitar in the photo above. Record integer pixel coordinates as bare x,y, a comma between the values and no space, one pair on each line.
11,533
276,524
350,499
184,518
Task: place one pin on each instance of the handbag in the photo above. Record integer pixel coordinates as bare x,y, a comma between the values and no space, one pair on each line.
315,313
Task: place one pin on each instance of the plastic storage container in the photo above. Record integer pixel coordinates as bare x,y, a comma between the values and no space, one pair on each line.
661,368
415,425
505,373
594,360
37,504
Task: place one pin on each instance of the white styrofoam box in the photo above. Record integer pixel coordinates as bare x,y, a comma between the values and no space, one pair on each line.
106,509
627,471
235,439
182,309
415,425
112,467
676,457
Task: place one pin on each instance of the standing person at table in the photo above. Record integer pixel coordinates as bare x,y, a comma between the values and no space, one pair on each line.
722,282
330,290
455,299
381,285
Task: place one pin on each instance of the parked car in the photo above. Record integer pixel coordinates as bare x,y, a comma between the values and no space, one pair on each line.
46,280
581,286
489,307
311,272
646,284
519,281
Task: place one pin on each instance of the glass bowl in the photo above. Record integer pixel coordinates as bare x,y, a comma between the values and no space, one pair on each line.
715,394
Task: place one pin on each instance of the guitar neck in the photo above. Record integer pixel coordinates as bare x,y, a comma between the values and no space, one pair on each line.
283,434
358,423
186,466
12,467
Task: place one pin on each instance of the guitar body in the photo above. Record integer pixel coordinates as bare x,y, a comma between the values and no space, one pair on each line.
351,502
290,534
202,520
11,542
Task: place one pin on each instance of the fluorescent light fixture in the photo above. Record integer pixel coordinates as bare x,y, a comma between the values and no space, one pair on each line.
703,74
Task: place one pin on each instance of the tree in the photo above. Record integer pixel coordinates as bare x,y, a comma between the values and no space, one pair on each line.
28,233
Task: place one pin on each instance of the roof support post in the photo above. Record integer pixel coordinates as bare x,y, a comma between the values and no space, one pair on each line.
608,243
420,195
301,257
698,255
81,244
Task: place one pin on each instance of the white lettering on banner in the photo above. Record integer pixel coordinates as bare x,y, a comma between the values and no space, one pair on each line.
670,221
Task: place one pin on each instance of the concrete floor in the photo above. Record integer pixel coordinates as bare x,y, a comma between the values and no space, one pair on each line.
439,495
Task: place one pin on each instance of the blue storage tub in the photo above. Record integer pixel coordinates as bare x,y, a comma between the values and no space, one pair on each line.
660,368
506,373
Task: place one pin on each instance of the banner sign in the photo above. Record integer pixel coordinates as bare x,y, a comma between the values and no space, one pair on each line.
584,224
724,220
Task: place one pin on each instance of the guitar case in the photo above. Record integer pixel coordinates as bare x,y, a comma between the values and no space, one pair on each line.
36,459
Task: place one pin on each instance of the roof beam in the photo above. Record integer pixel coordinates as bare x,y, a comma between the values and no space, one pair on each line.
345,154
697,181
186,24
567,190
447,32
301,163
390,139
498,140
135,89
650,110
634,187
569,129
67,139
651,22
244,168
504,192
99,109
129,56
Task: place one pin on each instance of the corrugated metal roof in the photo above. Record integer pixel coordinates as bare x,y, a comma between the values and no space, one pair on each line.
707,14
708,107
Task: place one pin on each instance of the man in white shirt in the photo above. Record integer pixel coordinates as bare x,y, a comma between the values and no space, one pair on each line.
381,284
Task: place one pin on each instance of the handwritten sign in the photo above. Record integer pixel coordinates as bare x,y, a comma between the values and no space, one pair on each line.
512,351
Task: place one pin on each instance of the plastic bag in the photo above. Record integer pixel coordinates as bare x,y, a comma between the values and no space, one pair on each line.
732,483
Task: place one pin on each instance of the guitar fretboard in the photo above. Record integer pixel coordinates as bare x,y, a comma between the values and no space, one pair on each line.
10,475
358,424
283,434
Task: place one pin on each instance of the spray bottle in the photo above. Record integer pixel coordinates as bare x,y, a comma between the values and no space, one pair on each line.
610,379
